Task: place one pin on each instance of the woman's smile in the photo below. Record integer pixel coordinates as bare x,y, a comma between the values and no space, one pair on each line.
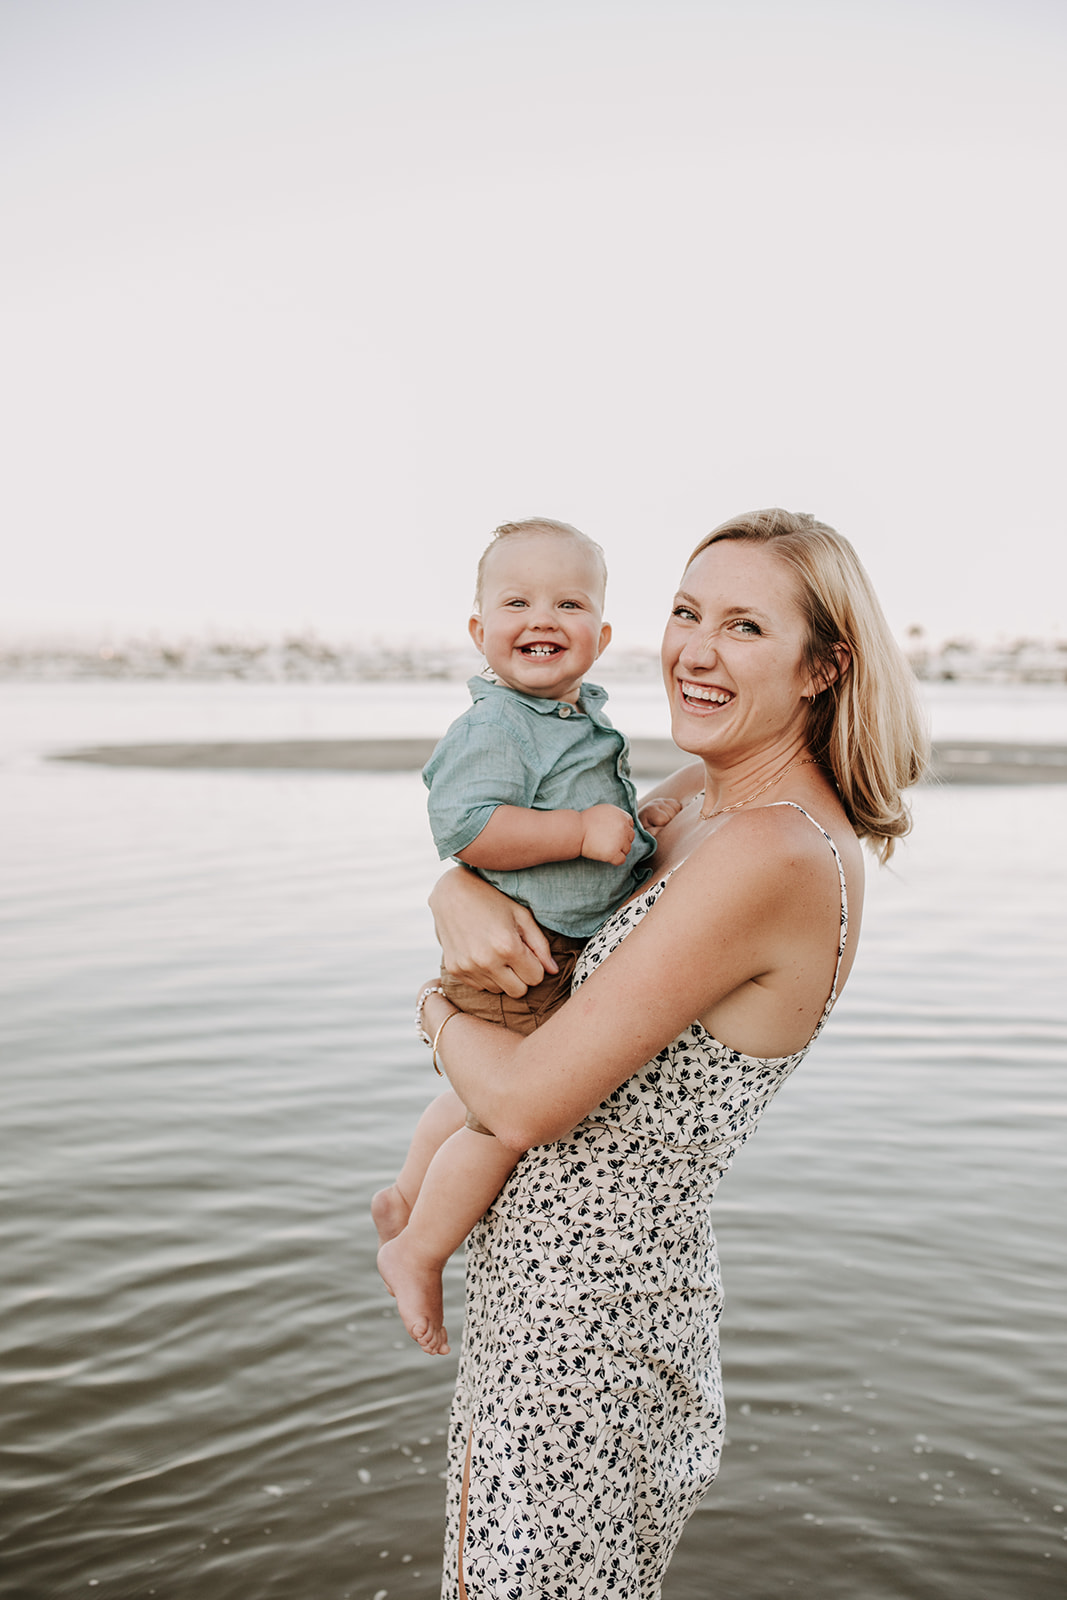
704,694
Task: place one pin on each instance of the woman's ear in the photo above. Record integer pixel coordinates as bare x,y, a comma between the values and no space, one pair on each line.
830,671
842,662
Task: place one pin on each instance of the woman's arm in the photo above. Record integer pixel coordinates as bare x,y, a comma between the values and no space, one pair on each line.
754,901
485,938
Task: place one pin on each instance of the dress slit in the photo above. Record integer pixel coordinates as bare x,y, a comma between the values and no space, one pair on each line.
463,1513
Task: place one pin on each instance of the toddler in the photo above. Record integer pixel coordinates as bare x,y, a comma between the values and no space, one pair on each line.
530,787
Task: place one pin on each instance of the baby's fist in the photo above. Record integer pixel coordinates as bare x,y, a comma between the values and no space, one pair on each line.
657,813
607,834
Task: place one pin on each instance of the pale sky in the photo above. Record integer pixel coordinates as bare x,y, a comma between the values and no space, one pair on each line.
303,297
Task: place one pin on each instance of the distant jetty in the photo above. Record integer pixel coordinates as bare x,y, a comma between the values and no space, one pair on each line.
306,658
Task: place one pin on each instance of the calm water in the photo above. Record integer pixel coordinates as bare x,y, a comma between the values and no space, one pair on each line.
209,1066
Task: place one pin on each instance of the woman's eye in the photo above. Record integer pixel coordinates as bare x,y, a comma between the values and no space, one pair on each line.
746,625
685,613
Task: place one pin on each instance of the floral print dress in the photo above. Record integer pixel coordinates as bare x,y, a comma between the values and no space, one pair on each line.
589,1390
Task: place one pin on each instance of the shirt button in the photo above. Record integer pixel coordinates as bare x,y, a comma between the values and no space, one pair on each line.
565,710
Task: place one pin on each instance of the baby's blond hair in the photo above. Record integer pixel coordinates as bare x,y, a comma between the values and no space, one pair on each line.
563,530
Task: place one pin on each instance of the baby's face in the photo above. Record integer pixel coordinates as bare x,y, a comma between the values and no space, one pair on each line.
540,626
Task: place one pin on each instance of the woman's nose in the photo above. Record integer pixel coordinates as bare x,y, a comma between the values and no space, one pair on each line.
699,651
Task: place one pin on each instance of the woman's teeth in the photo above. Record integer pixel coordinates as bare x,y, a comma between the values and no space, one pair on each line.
695,691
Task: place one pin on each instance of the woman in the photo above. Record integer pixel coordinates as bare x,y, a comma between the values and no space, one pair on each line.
588,1416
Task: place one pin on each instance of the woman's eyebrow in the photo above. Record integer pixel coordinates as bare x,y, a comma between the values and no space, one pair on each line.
748,611
730,609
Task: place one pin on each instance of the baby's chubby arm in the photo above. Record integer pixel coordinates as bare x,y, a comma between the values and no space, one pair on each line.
519,836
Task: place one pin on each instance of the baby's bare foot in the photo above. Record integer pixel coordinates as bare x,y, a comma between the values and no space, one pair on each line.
389,1213
417,1289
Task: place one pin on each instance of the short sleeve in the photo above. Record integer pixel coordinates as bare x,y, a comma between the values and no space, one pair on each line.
477,767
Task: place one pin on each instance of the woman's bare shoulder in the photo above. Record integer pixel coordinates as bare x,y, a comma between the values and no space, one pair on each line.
770,846
786,872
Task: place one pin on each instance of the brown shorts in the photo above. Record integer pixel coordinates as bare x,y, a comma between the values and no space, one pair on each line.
530,1010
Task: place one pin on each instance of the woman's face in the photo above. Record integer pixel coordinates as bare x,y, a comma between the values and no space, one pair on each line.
734,654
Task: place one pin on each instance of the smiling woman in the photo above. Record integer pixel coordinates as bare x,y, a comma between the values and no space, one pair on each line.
865,722
734,669
588,1418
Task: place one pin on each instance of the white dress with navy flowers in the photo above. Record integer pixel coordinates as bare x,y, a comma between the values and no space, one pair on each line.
589,1385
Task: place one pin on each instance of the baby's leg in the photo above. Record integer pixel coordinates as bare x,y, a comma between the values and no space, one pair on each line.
391,1207
462,1180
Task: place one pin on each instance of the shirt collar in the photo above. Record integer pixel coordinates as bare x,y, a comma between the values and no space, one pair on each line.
485,683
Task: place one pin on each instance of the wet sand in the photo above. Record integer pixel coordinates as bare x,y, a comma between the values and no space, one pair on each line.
954,761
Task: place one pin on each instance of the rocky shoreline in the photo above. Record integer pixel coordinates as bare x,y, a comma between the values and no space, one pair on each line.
308,658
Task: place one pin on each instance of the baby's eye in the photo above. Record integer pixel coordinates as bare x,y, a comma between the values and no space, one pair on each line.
570,605
516,603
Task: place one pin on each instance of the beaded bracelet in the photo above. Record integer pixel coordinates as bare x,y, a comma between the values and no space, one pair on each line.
433,988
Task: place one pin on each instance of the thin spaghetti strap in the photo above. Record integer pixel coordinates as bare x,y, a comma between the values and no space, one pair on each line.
844,905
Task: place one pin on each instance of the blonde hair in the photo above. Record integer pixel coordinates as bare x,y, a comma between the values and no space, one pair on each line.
866,722
537,525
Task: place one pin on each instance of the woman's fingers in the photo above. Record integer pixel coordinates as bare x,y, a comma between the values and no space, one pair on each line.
486,939
522,972
522,959
508,964
535,943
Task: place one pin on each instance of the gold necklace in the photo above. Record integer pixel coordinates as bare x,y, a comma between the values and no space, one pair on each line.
706,816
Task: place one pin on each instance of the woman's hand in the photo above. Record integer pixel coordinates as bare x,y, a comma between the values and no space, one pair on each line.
486,939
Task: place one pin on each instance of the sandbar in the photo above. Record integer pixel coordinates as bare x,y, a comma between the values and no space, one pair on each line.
954,760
